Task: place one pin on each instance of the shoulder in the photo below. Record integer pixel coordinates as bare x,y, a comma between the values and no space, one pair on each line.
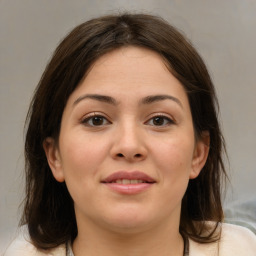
21,245
235,241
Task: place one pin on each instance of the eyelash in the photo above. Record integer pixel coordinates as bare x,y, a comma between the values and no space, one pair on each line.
167,120
89,118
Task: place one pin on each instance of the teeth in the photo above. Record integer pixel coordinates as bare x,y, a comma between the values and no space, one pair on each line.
125,181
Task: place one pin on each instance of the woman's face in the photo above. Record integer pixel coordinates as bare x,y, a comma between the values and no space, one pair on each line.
126,147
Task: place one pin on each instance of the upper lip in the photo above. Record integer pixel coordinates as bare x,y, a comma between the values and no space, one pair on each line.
135,175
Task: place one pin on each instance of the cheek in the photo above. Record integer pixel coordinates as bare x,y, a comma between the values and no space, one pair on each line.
82,154
174,159
80,166
175,154
173,163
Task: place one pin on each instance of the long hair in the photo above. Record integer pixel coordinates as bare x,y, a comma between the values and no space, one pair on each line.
48,209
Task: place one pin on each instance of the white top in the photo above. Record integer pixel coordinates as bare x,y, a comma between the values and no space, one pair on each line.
235,241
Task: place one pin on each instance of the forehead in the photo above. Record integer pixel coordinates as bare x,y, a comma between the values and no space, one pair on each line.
129,60
132,64
130,72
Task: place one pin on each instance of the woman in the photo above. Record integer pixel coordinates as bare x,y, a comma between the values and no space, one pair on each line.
124,149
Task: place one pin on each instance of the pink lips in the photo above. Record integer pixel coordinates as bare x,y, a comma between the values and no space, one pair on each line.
144,183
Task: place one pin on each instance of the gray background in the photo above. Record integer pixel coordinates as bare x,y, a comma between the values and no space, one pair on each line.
223,31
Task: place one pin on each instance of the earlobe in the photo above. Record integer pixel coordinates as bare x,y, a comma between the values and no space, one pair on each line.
200,154
53,158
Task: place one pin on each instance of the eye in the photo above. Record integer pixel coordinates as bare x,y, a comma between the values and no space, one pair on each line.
95,120
160,120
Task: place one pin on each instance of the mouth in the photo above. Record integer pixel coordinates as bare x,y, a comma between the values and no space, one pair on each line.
124,177
128,182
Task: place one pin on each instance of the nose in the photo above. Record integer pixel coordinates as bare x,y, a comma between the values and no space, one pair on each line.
129,144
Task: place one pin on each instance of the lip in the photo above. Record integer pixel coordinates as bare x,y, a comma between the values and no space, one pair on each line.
129,188
135,175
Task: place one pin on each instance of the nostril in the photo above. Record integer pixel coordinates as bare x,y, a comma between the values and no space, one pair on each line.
135,156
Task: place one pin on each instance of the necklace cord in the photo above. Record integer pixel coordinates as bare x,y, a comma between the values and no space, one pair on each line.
69,251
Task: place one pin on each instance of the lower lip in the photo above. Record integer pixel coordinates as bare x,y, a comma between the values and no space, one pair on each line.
129,189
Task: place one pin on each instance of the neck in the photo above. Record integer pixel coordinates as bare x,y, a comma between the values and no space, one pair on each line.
162,240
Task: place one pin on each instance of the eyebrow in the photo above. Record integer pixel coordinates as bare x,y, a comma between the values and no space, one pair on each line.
156,98
112,101
98,97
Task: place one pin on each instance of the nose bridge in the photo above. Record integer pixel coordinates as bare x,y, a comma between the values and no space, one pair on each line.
128,141
129,134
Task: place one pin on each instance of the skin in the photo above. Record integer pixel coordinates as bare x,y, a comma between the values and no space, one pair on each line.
156,138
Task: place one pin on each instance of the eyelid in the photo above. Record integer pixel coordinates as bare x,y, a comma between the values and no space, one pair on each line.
160,114
94,114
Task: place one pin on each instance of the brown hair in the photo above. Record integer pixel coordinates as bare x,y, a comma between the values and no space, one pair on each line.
48,210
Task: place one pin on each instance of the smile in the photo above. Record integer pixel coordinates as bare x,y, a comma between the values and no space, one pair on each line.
128,182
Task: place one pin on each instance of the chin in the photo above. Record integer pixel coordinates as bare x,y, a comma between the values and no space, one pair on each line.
129,221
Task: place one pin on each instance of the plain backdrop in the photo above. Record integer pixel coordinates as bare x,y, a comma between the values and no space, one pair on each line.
223,31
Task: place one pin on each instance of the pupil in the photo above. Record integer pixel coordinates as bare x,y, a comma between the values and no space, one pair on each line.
97,120
158,121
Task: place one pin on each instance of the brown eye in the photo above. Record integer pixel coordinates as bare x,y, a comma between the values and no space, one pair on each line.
160,121
95,121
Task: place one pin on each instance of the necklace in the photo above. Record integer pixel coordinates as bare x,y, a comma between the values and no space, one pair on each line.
186,246
69,251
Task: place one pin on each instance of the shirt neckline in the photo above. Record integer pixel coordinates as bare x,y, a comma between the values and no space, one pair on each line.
69,251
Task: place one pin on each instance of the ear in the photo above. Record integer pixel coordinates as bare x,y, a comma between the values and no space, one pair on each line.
53,158
200,155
